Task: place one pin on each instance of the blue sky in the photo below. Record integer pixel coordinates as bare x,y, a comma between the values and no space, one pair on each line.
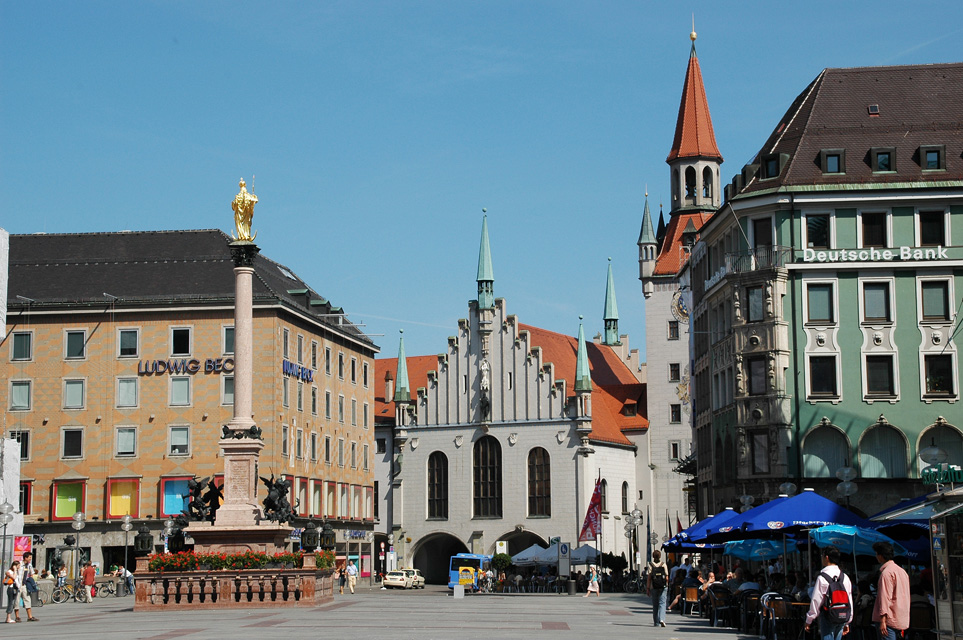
377,131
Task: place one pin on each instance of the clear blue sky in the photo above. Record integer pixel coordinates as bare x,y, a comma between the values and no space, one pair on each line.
378,130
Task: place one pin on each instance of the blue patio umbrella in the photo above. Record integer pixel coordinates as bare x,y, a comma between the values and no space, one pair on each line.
712,524
759,549
853,540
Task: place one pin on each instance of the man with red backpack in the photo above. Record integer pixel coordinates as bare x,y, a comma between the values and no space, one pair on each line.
832,600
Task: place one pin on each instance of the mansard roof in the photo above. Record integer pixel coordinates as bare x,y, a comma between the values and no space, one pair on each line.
673,257
73,271
857,110
694,137
614,385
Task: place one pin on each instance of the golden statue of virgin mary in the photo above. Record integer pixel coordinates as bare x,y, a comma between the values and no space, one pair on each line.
243,206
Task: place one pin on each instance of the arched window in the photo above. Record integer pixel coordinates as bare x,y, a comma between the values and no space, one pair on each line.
438,485
675,184
882,453
488,478
707,183
945,437
690,182
539,483
625,497
603,491
825,451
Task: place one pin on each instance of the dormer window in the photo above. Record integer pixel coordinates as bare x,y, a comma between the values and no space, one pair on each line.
933,157
770,167
883,159
832,160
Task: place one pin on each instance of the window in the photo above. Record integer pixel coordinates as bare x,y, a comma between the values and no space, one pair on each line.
603,496
675,450
126,392
757,375
354,412
68,499
330,499
364,374
341,409
227,394
316,498
341,365
364,457
754,304
23,437
20,395
26,491
539,483
932,228
675,413
817,231
873,226
314,401
354,455
879,376
883,159
126,441
22,345
939,375
381,445
72,444
181,341
822,376
674,372
327,360
354,371
300,349
882,453
314,448
876,303
819,299
825,450
123,497
76,345
285,441
625,497
228,346
437,485
933,157
833,160
375,498
175,495
300,396
314,355
487,472
935,295
73,394
690,182
299,445
285,339
340,452
707,183
770,167
673,329
759,451
285,393
180,441
180,391
364,416
127,340
327,405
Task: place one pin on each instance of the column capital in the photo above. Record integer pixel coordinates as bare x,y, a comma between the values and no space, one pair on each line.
243,253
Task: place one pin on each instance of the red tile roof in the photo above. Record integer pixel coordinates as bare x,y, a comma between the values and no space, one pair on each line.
672,257
614,385
694,137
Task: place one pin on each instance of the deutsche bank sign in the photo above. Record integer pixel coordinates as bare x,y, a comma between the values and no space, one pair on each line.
875,255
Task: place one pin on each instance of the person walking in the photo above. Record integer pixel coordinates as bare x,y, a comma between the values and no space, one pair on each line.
655,584
593,583
12,588
352,575
89,577
342,578
829,629
891,611
28,585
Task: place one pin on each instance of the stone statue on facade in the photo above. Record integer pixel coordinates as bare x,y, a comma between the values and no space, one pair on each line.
243,206
485,401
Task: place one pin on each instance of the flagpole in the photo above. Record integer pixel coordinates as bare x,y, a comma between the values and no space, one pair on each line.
598,542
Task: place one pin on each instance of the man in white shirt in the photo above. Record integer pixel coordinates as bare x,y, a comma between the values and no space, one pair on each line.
828,629
352,575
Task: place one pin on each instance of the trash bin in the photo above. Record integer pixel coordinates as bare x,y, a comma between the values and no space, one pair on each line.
571,587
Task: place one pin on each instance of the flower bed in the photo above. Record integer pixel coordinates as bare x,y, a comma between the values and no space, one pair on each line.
191,561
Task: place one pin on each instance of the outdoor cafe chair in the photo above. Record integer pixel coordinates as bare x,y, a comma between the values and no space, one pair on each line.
691,599
922,622
721,605
785,618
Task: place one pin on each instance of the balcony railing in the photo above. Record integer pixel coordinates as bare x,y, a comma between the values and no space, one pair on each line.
758,259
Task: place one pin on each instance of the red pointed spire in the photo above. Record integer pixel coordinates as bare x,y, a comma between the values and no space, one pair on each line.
693,129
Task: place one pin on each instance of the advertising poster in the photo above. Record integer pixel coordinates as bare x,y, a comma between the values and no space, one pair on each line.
21,545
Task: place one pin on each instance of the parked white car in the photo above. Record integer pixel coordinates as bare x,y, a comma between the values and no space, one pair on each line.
397,580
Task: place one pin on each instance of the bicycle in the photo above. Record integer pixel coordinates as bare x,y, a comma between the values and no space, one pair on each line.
67,591
105,589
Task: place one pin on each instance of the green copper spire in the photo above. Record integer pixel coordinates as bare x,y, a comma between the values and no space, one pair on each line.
646,235
486,276
402,387
611,312
583,376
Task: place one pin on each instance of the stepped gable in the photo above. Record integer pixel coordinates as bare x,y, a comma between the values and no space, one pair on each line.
917,104
418,368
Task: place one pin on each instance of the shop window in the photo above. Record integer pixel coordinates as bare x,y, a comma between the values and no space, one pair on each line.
174,496
124,497
68,499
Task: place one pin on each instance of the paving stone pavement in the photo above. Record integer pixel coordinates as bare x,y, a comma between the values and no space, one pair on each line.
375,613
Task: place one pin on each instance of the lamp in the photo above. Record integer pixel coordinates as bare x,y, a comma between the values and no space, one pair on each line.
79,522
310,537
126,526
846,487
787,488
143,541
6,517
327,536
746,501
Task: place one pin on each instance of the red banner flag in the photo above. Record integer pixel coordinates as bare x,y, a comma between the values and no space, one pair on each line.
590,528
678,523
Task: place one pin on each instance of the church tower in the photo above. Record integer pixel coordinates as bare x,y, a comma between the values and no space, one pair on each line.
648,248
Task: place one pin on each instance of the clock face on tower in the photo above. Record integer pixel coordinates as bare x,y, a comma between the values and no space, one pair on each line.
680,309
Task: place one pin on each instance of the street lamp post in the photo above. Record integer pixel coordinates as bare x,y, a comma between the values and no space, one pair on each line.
78,524
6,517
846,487
126,526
